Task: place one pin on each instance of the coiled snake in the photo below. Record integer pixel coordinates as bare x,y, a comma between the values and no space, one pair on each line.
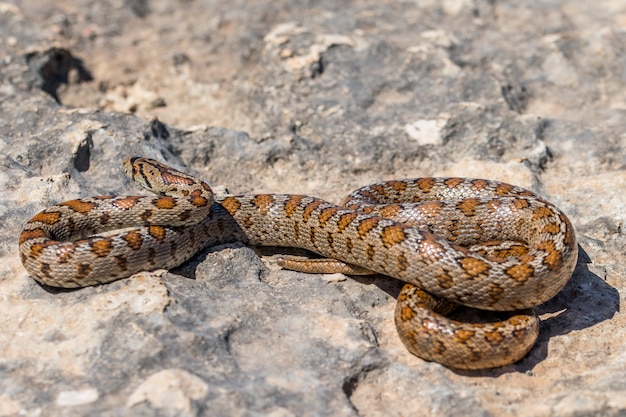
478,243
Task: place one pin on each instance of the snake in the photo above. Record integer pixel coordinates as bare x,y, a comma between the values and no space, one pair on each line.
453,241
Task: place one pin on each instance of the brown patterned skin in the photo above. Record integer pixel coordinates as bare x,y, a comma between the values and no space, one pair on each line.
449,241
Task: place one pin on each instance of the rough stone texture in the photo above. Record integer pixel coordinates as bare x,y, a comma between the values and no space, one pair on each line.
315,98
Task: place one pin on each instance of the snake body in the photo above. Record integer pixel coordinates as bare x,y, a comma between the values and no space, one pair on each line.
478,243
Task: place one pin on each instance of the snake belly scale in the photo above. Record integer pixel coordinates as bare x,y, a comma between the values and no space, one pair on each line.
477,243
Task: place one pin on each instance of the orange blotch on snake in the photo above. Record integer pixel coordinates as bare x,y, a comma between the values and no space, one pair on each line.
390,211
521,273
32,234
101,248
36,250
462,336
46,217
263,203
426,184
379,189
445,281
474,267
495,337
480,184
157,232
170,176
402,262
327,214
551,229
397,186
392,235
309,209
368,195
292,205
232,205
504,189
79,206
468,206
127,203
197,200
133,239
493,206
165,203
516,321
554,257
516,249
82,271
406,313
453,182
520,204
366,225
541,212
345,220
430,209
349,245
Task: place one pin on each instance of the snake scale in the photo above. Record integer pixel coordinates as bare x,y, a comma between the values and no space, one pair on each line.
477,243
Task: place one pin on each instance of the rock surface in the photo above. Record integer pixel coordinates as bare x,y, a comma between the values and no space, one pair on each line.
313,98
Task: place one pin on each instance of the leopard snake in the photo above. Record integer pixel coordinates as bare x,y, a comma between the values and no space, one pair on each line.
478,243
